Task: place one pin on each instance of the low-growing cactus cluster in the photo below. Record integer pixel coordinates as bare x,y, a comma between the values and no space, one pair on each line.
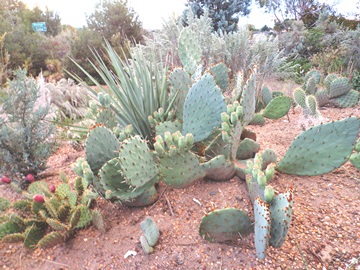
49,216
338,91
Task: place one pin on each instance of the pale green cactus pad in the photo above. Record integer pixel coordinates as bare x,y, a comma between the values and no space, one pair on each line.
321,149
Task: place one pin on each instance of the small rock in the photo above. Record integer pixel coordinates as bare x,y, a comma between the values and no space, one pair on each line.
179,258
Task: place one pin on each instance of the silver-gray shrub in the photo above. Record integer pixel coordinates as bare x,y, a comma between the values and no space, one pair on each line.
25,137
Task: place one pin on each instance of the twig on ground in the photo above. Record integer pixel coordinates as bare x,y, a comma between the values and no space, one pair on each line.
162,194
169,205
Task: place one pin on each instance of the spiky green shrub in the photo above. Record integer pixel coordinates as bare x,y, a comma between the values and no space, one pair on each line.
26,139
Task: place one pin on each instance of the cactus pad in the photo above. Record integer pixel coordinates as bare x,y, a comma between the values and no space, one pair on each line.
219,168
355,160
322,97
225,224
266,95
189,50
180,170
32,236
219,72
348,100
50,240
106,117
136,161
261,227
321,148
280,214
258,119
202,109
247,149
300,97
101,145
150,231
339,87
277,108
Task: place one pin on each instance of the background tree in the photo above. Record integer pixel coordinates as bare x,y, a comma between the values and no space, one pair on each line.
112,18
224,13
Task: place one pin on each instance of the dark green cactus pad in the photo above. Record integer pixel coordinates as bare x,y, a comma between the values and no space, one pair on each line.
79,186
56,225
63,190
39,187
63,212
106,117
277,108
355,160
50,240
189,50
180,82
322,97
150,231
258,120
74,217
180,170
339,87
37,207
9,227
261,227
300,97
32,236
248,100
321,149
266,95
219,169
202,109
348,100
13,238
137,162
22,205
52,205
357,146
247,149
85,217
220,74
280,214
277,94
329,79
101,145
225,224
171,126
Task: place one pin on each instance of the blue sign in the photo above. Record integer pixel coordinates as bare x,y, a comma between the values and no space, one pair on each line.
39,26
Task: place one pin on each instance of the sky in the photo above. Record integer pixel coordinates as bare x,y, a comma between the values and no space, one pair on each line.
152,12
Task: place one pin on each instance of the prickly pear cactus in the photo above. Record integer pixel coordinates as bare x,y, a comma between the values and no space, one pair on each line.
300,97
339,87
178,166
220,74
101,145
225,224
321,148
277,108
348,100
280,214
266,95
248,100
150,231
106,117
218,168
202,109
190,52
329,79
261,227
322,97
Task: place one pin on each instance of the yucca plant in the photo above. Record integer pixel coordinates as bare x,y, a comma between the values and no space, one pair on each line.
136,87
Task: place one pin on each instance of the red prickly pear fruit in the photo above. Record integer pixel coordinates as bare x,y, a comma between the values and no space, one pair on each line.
38,198
52,188
5,180
30,178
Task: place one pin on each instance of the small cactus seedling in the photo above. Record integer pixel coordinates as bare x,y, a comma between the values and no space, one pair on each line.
225,224
150,231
